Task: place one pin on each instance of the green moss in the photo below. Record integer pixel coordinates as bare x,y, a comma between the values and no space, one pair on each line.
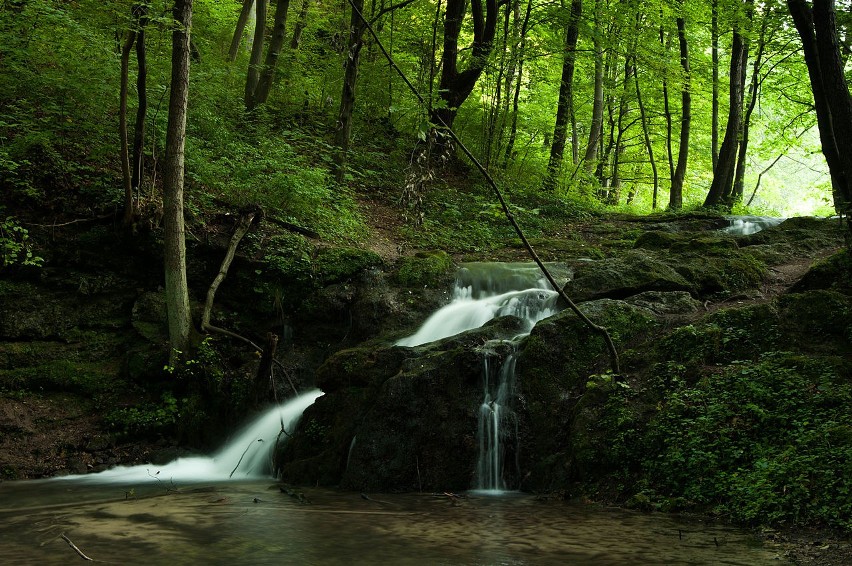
424,269
339,264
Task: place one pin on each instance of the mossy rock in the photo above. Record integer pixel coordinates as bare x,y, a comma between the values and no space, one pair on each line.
658,240
834,272
620,277
562,249
425,269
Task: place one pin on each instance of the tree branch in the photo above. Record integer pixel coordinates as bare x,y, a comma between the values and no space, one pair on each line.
614,361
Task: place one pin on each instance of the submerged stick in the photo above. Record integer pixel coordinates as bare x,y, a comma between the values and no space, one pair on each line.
74,546
613,353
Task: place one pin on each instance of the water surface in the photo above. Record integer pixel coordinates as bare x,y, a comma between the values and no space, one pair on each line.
253,522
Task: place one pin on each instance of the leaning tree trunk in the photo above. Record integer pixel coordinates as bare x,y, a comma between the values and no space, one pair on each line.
723,176
513,128
276,43
174,244
238,31
566,97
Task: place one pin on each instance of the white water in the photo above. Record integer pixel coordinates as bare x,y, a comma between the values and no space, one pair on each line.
484,291
246,455
745,225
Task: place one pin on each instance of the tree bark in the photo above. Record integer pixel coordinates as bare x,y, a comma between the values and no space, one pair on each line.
141,11
676,192
596,128
301,24
245,12
276,43
714,56
456,85
347,97
723,176
566,97
253,75
122,129
174,244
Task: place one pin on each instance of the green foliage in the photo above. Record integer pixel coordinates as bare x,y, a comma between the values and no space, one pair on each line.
768,441
15,246
148,420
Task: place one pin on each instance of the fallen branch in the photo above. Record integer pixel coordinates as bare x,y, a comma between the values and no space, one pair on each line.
74,546
240,461
613,353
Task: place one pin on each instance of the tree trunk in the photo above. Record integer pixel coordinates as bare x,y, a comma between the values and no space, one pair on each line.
831,70
723,176
301,24
174,245
714,55
754,91
513,130
347,97
667,112
142,94
596,128
566,97
456,85
122,129
253,75
276,43
676,193
238,31
648,145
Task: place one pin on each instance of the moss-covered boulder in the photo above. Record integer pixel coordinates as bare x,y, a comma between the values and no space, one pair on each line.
554,368
619,277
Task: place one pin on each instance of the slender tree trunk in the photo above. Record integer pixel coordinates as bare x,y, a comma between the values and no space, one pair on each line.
596,128
513,130
253,75
723,177
347,97
142,95
301,24
174,244
566,97
122,129
714,55
240,29
667,108
676,193
276,43
754,92
647,137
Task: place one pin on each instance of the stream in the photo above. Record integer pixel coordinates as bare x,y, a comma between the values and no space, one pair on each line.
253,522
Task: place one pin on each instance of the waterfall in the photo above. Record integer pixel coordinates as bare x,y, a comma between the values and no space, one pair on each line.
484,291
745,225
498,425
246,455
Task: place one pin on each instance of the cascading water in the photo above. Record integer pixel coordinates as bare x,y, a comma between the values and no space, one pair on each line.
484,291
746,225
247,455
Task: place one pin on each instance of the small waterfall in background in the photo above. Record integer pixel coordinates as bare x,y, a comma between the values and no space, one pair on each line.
745,225
484,291
247,455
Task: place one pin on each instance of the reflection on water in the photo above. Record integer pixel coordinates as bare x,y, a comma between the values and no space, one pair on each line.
254,523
